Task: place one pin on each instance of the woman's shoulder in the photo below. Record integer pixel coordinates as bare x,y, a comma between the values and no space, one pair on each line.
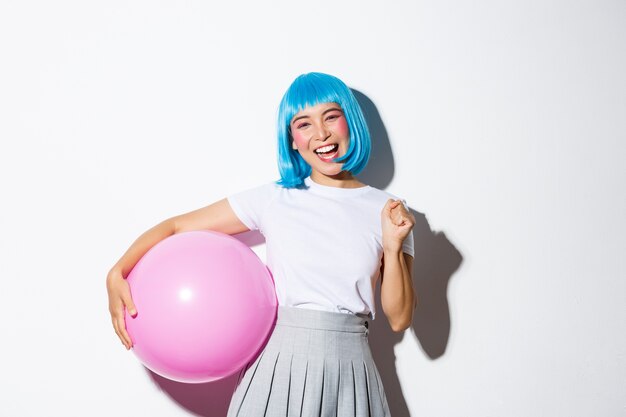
264,191
380,194
267,186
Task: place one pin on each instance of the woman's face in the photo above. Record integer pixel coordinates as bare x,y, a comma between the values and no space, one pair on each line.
320,134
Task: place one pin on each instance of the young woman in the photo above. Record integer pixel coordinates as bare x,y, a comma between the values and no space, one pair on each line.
329,238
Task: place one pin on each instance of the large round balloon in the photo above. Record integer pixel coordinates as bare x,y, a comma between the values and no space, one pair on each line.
206,304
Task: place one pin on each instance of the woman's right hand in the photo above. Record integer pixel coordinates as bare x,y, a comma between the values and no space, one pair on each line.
218,217
120,298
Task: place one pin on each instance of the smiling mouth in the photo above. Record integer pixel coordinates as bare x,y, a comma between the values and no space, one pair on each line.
327,152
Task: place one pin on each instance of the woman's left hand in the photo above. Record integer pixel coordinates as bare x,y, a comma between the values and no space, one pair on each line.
397,223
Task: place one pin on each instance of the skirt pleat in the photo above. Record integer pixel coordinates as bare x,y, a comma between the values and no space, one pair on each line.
362,394
346,397
313,388
376,407
331,387
296,386
279,398
315,364
243,386
381,396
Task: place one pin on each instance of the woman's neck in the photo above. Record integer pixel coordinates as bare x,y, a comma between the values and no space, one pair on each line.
342,180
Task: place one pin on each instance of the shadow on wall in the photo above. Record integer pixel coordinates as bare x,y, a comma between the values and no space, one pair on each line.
210,399
436,260
380,167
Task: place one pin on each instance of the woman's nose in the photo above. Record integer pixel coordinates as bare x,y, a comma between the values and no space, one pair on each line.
322,132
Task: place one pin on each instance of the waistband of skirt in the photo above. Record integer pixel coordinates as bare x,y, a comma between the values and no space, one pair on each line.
321,320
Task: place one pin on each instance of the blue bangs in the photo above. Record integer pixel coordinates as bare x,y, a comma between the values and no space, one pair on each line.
310,90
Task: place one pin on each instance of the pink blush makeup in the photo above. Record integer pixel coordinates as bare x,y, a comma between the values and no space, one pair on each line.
300,140
342,127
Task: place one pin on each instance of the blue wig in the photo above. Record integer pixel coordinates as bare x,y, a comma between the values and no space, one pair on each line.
309,90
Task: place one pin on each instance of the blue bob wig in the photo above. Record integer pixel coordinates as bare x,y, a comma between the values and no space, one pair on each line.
309,90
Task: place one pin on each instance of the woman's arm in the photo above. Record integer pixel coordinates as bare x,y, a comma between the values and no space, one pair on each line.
397,296
218,216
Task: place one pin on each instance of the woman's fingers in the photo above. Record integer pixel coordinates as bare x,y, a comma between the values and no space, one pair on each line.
116,326
132,310
398,213
389,206
119,299
119,324
128,302
394,224
395,212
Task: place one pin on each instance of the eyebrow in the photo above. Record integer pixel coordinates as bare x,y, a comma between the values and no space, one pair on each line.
323,113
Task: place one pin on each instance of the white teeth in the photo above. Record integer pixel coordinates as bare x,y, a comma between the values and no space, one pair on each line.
325,148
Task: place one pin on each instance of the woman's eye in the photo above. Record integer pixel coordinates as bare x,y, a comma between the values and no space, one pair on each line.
332,117
301,125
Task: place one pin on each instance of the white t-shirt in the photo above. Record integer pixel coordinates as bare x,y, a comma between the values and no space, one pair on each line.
323,244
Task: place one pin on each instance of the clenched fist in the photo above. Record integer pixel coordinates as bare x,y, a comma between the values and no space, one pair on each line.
397,223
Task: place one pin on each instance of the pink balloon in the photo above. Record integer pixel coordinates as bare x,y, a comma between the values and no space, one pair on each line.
206,304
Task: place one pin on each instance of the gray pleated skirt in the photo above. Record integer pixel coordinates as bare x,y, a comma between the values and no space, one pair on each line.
316,363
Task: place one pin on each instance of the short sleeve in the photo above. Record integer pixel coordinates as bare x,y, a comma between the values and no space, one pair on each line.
408,246
250,205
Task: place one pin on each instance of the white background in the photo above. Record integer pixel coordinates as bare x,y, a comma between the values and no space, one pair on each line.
501,123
